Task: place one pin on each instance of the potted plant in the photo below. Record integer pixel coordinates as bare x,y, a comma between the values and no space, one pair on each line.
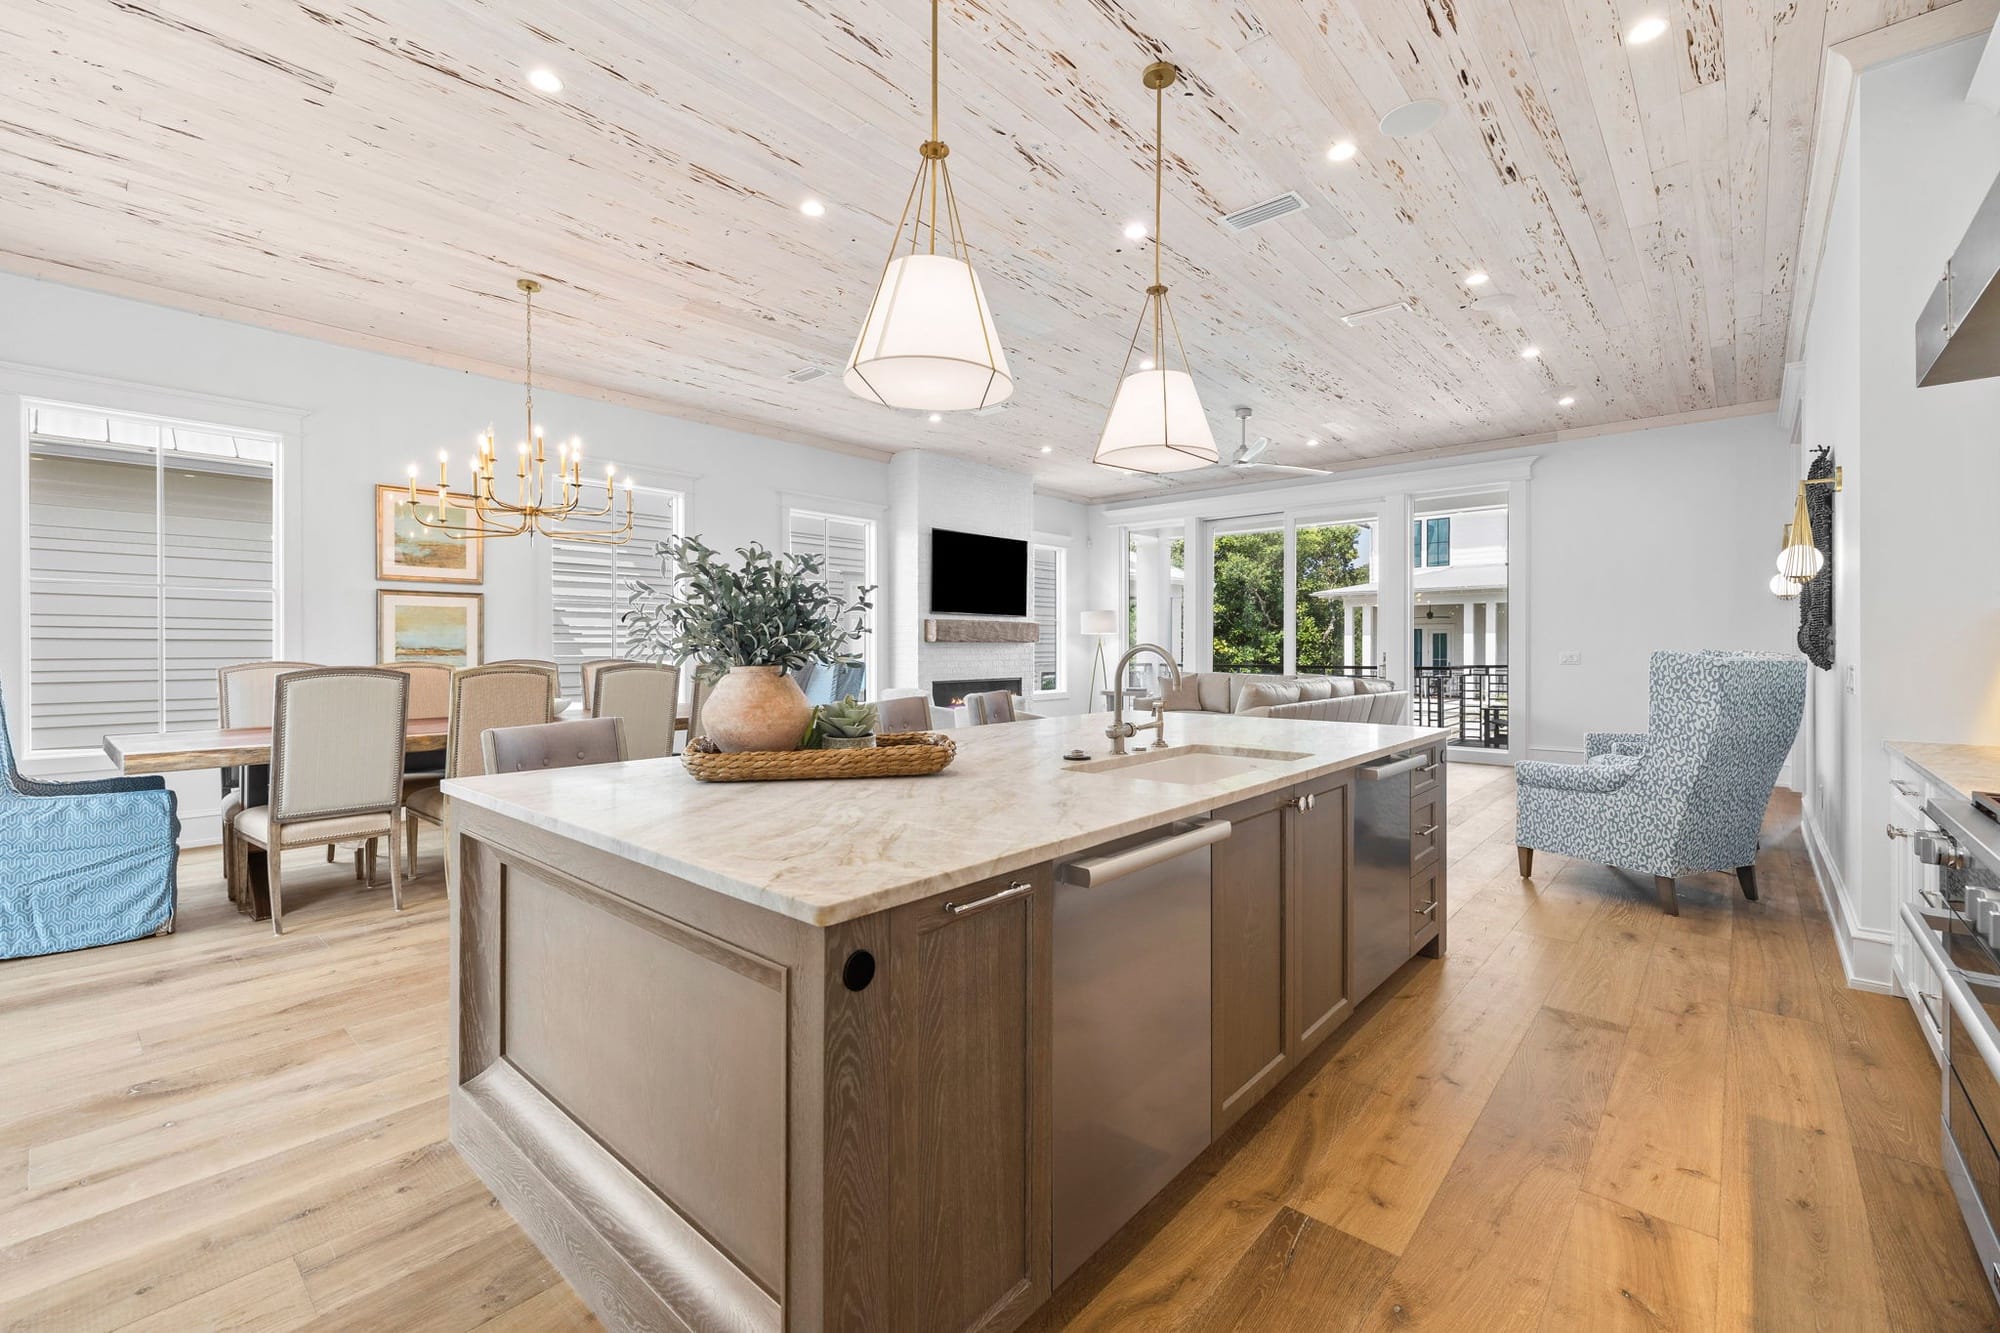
847,725
758,620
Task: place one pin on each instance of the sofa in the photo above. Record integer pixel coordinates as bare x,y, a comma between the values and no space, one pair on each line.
1314,698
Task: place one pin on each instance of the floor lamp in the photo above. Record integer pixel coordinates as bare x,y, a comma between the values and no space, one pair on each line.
1100,625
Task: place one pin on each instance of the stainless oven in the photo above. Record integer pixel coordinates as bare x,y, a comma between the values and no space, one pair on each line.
1958,930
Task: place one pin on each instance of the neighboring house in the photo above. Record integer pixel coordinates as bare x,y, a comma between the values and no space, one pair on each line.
1459,564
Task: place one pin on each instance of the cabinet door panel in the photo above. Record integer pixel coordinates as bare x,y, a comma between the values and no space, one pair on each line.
1248,976
971,1143
1319,915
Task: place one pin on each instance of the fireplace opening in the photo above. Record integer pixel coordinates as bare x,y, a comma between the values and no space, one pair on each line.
951,693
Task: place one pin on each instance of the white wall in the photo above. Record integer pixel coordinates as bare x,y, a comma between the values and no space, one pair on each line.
1066,523
1917,609
355,419
1656,539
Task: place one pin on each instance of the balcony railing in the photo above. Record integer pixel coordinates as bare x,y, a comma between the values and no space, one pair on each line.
1304,669
1468,700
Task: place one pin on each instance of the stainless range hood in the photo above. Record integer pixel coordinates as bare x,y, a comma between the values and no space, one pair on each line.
1958,335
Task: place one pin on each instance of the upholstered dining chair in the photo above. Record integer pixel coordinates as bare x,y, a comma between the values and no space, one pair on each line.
244,693
336,769
705,678
988,708
501,695
647,696
589,674
86,863
1689,793
910,712
590,740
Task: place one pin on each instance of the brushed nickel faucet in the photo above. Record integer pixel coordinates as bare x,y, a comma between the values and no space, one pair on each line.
1120,730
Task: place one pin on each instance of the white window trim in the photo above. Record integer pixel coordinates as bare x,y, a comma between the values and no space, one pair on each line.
24,386
871,516
1061,549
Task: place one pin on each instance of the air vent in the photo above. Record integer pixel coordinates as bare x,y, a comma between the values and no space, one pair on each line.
1356,317
807,374
1270,210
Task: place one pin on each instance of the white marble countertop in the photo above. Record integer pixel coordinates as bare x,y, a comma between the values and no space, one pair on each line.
826,852
1963,768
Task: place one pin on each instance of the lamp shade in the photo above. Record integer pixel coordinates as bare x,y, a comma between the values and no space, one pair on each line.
1783,588
1800,563
928,342
1157,425
1098,622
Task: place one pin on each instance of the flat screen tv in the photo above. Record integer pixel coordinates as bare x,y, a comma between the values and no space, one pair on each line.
976,575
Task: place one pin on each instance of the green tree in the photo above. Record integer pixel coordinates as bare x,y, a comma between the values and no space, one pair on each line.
1250,597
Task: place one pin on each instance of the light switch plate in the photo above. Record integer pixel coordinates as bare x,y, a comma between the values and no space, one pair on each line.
1571,657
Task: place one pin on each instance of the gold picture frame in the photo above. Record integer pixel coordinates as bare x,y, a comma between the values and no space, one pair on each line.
447,628
408,552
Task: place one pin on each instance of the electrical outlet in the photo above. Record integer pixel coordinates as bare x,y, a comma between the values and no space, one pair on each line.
1571,657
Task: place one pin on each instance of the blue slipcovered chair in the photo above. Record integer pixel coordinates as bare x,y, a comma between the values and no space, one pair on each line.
1686,796
82,863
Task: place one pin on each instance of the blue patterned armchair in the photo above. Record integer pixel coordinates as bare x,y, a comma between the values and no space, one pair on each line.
1689,794
82,863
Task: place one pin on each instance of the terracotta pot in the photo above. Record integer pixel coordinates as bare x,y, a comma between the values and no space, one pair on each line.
756,708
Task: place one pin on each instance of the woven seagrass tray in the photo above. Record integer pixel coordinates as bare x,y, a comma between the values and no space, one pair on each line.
900,754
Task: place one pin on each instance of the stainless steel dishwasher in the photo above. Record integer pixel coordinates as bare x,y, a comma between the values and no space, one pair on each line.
1131,1028
1378,912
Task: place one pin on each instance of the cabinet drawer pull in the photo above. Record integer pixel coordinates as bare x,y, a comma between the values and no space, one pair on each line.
1431,767
1427,908
1014,890
1909,789
1427,831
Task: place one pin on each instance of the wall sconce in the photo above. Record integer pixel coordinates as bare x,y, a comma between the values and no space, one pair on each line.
1782,586
1799,559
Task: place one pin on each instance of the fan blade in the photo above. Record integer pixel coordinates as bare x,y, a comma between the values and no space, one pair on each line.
1284,467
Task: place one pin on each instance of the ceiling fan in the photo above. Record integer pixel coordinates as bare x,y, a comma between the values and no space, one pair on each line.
1243,461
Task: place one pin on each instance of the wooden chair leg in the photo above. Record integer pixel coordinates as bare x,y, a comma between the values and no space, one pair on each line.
273,876
1669,903
1526,856
410,837
369,858
330,850
395,873
1746,878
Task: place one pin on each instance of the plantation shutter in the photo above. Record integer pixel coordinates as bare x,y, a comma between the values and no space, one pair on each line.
843,545
1048,614
150,564
590,584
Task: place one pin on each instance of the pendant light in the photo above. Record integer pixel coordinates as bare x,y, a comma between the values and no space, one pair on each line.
1156,422
1799,559
928,342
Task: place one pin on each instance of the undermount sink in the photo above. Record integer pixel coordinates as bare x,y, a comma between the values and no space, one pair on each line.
1190,763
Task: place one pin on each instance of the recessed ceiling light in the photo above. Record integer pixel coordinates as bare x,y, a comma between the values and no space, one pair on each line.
1341,151
1567,400
1412,118
1530,352
1147,364
1647,29
813,208
1048,448
544,81
1135,231
1313,443
936,417
1476,278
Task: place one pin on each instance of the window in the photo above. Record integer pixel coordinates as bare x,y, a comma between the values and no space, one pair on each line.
846,547
1431,543
1047,606
151,562
591,583
1249,605
1330,559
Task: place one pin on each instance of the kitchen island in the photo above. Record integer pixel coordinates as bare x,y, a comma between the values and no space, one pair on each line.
844,1054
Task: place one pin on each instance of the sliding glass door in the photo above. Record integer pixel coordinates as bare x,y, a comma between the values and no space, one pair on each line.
1294,596
1459,583
1335,599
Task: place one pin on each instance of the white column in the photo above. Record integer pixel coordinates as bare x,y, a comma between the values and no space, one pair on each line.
1492,632
1465,633
1367,635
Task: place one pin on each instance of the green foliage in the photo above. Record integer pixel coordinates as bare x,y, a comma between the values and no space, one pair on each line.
849,717
1250,597
775,610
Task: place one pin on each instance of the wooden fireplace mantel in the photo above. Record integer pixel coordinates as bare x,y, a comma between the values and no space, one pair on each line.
967,629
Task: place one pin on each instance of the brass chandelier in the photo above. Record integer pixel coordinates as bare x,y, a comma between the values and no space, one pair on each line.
552,505
1156,423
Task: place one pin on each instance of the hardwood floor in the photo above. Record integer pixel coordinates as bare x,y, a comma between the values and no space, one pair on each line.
1587,1116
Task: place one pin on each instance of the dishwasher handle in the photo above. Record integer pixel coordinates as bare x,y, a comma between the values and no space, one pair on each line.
1394,768
1097,870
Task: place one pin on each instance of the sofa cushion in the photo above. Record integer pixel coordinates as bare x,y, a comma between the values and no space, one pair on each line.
1214,686
1340,687
1184,698
1374,685
1315,687
1242,680
1265,694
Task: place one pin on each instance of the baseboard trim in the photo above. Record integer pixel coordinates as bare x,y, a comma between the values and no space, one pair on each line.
1867,956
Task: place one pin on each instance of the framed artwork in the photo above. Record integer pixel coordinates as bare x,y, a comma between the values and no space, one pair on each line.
448,628
408,551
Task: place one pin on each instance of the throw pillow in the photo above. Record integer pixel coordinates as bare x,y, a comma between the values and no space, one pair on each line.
1214,691
1315,687
1265,696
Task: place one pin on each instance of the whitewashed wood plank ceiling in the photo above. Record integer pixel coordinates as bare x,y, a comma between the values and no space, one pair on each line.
385,172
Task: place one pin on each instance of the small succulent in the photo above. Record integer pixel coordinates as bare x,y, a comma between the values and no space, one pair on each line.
847,719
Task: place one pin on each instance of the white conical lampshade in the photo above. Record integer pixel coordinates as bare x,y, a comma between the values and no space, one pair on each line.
1801,564
1157,425
1783,588
929,343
